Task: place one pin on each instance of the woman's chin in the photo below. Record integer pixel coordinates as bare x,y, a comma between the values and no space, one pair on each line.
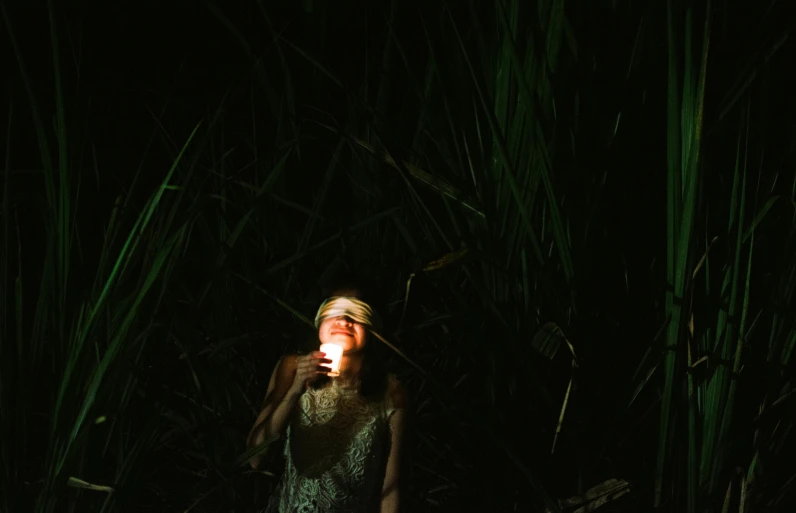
341,340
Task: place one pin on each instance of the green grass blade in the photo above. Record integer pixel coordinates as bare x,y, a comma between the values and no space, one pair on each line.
672,222
262,75
61,454
683,183
63,216
41,133
500,146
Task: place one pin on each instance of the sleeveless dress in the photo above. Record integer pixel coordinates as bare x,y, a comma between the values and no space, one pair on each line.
335,453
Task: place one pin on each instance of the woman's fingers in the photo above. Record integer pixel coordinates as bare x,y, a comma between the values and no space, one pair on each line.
312,362
321,368
312,369
309,366
318,361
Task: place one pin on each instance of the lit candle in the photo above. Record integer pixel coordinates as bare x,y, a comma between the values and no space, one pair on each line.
333,352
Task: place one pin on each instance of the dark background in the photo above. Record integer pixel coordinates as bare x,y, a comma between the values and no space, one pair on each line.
137,80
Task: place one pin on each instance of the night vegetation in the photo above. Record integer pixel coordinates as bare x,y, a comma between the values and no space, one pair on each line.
582,214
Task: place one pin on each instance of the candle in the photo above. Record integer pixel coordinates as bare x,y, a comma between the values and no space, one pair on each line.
334,353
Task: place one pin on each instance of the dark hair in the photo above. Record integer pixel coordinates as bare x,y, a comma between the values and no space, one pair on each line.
373,380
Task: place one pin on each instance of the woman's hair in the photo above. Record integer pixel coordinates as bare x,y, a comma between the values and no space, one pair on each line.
373,380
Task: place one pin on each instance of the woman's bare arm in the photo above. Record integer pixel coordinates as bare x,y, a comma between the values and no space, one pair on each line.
396,460
279,403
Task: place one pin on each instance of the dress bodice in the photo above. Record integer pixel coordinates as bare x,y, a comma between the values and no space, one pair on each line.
335,453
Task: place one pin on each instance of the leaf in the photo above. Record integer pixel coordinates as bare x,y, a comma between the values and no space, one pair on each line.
759,218
596,496
548,340
446,260
79,483
425,177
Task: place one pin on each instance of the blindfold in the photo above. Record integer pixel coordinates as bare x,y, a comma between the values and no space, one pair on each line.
351,307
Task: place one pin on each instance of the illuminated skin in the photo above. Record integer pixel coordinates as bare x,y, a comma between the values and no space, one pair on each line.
350,335
343,330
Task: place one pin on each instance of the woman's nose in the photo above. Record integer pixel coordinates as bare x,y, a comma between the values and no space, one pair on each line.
344,319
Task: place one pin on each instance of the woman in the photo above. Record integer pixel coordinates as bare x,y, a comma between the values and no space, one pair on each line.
345,435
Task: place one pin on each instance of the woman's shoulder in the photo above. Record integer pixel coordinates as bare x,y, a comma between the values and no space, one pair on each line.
286,367
397,394
289,359
288,362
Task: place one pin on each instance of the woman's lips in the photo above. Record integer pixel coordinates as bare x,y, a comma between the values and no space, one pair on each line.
339,332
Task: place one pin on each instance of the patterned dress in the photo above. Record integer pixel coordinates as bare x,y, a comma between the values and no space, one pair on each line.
335,453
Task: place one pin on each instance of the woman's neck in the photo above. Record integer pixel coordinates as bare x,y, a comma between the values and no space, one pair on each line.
350,367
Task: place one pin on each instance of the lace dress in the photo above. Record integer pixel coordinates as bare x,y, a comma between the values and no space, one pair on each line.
335,454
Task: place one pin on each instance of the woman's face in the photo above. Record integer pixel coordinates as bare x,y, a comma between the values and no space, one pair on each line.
344,332
350,335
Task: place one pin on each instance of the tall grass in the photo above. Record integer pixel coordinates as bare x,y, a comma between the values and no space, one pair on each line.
135,360
718,343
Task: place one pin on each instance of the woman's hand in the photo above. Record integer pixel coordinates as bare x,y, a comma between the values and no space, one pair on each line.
288,381
308,367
